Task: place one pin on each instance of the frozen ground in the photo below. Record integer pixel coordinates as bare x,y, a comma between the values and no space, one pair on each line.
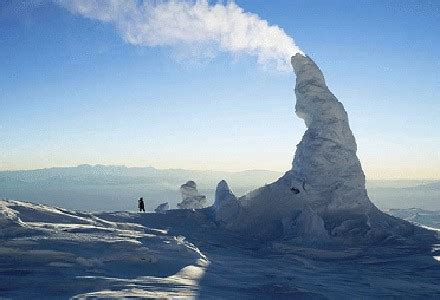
53,253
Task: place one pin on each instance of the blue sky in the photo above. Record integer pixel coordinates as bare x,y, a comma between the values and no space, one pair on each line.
72,91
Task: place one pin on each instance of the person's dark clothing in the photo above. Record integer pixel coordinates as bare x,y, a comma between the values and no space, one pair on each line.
141,205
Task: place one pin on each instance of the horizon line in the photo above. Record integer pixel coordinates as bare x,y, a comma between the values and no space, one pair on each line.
205,170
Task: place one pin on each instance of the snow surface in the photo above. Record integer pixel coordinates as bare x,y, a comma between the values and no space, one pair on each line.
52,253
48,252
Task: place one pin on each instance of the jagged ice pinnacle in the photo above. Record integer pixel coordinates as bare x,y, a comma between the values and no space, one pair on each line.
323,197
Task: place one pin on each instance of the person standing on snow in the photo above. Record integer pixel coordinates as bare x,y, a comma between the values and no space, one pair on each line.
141,204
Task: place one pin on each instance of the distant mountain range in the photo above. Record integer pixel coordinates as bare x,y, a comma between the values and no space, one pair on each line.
109,174
435,185
115,187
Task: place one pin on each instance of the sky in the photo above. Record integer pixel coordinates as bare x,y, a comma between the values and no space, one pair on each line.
73,90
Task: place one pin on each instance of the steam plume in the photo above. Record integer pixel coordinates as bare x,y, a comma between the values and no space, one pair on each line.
223,27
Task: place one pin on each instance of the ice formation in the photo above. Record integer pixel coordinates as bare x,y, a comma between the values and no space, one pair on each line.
191,199
226,205
162,208
323,196
325,163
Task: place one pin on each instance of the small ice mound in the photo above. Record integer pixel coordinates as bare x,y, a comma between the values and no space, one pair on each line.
189,275
191,199
226,206
162,208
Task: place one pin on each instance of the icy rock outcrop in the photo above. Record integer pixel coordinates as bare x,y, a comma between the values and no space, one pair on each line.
162,208
323,196
226,205
191,199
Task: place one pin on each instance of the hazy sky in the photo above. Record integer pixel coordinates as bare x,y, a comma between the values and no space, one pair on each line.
72,91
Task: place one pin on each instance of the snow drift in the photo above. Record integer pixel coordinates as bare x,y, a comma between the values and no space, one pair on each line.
53,253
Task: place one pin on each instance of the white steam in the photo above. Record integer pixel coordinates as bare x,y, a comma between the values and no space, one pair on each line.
223,27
